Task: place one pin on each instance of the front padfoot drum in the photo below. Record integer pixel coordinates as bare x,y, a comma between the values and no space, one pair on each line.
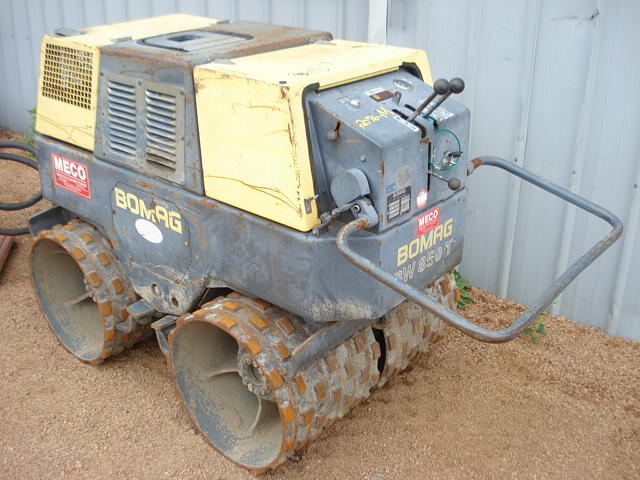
82,291
408,330
229,363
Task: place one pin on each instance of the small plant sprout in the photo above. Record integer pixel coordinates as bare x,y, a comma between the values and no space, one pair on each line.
465,291
537,330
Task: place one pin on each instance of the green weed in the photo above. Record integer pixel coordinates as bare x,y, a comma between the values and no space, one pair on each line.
465,291
537,330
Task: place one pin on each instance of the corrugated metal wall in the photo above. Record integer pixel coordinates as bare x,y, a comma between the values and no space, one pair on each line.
552,85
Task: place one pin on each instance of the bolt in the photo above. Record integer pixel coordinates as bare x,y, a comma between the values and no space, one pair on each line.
363,158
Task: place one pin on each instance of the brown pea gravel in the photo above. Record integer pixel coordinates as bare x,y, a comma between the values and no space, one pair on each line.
566,407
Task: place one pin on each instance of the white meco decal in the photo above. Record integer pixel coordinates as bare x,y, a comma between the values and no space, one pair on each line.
149,230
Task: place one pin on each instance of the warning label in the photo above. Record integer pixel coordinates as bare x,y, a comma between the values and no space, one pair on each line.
427,221
421,198
71,175
398,203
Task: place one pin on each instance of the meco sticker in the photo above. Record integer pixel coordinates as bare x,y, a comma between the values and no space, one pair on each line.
427,221
71,175
421,198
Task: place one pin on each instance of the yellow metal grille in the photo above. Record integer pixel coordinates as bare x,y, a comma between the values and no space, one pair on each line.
67,75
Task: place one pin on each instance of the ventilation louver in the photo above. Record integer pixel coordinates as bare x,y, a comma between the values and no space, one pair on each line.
121,99
161,125
67,75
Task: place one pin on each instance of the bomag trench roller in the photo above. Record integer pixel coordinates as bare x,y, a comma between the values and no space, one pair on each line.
282,209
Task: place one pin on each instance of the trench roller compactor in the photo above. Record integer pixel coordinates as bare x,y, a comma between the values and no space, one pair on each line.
282,209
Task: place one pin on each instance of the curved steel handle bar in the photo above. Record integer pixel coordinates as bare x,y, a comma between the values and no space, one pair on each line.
537,307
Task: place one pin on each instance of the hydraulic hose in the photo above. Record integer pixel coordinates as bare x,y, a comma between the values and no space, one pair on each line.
29,162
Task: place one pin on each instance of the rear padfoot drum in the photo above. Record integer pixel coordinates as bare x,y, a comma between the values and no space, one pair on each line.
82,291
408,330
229,362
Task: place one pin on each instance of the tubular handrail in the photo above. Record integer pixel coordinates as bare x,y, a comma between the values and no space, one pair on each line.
537,307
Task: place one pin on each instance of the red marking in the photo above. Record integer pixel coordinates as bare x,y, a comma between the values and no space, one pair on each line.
421,198
71,175
378,97
427,221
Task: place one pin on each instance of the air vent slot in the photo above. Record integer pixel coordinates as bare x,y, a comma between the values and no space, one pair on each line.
161,128
121,110
68,75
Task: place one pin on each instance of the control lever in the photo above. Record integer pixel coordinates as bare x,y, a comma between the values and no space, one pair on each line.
440,87
456,85
453,183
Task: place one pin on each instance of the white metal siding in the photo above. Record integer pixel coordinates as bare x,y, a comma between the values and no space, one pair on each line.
552,85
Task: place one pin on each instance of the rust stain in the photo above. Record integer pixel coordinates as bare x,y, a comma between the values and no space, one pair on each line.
261,304
307,417
274,378
77,254
206,202
104,308
104,260
286,325
321,390
94,279
258,322
253,346
288,414
144,184
84,236
226,322
231,306
117,286
300,385
283,350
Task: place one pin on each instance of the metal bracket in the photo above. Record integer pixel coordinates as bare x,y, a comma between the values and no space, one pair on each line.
361,208
308,208
139,312
327,217
321,342
163,327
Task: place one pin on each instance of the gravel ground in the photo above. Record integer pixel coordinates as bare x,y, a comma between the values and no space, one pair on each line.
566,407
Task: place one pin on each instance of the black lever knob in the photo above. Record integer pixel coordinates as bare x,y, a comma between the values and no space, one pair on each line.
454,183
440,87
456,85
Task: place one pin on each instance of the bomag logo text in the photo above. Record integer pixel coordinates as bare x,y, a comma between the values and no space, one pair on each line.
157,214
424,242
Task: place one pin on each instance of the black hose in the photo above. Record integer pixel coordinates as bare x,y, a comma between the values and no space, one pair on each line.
26,203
